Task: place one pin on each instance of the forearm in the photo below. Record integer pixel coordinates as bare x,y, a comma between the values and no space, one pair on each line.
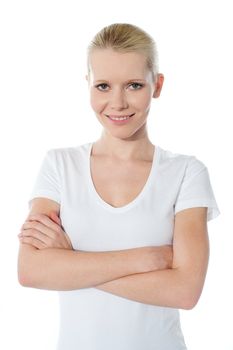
62,269
168,288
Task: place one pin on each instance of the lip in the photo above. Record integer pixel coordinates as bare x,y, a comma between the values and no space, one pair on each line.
119,116
120,122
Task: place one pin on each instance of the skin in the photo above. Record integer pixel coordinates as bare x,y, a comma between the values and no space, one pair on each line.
46,235
118,97
179,282
128,142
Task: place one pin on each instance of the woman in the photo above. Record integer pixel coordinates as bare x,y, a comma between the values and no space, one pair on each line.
119,226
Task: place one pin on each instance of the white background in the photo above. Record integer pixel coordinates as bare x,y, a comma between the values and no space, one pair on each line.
44,104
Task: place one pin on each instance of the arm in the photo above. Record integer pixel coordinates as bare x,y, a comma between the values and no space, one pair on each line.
181,286
62,269
66,269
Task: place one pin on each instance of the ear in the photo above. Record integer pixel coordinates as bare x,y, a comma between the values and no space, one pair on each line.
87,79
158,85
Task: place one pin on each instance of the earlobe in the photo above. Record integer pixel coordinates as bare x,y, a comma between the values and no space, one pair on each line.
155,93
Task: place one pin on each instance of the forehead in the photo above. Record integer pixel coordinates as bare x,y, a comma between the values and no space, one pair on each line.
109,64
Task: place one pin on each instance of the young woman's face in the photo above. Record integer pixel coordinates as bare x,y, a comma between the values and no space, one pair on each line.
121,86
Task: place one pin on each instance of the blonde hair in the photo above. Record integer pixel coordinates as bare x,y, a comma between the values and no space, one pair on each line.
125,37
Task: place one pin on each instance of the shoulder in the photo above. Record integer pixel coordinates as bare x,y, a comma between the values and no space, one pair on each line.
174,161
67,153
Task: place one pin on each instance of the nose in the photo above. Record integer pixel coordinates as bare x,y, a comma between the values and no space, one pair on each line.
118,100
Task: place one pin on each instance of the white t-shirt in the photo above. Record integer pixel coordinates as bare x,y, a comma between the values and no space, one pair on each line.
91,319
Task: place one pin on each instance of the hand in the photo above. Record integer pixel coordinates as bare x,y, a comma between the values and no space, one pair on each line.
152,258
42,231
162,257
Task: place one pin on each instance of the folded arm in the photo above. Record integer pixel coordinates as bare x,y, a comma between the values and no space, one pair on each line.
47,261
181,286
137,274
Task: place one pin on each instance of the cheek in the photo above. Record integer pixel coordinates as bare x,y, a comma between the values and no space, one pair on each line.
140,101
97,101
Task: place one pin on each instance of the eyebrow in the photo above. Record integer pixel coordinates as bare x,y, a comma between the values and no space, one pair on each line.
96,81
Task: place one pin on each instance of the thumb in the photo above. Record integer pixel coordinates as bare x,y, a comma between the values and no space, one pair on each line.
53,215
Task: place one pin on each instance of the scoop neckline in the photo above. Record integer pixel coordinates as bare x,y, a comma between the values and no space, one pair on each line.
101,201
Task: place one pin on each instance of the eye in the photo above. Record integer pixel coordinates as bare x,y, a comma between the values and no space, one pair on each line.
103,84
139,86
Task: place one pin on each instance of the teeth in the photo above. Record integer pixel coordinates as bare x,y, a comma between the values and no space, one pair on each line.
121,118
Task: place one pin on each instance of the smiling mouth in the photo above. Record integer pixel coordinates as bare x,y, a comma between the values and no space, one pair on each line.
120,117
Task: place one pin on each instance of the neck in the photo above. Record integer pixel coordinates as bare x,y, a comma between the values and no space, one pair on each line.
124,149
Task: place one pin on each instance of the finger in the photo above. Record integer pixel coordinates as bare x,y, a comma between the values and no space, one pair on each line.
37,235
55,218
38,226
44,219
68,240
32,241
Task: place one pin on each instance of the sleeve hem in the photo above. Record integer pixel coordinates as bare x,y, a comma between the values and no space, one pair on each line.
213,210
46,194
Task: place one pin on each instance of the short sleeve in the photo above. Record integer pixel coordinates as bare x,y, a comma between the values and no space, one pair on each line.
47,182
196,189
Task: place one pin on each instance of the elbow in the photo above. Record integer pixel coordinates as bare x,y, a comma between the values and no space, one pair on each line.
29,267
189,290
22,274
190,300
24,278
27,275
189,304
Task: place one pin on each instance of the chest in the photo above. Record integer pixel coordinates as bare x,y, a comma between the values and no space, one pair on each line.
119,183
94,226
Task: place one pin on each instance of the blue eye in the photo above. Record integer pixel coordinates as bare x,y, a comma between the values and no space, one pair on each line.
97,86
140,85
